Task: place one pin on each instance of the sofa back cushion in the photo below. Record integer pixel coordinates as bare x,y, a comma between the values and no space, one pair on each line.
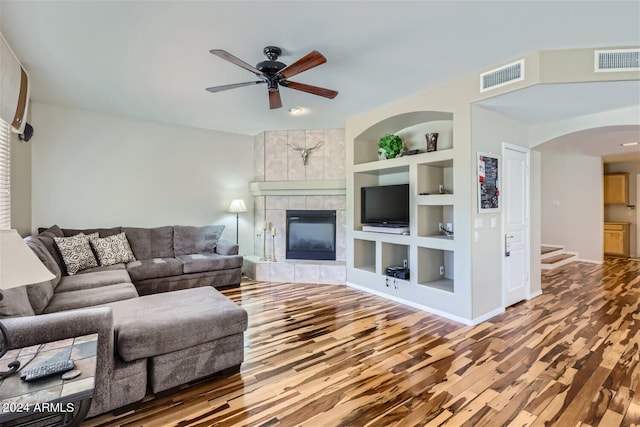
196,240
102,232
40,294
46,237
148,243
15,303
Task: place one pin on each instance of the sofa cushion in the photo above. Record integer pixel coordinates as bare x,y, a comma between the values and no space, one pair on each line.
226,247
148,243
83,298
120,266
39,247
161,323
15,303
153,268
112,250
46,236
194,240
198,263
40,293
102,232
92,280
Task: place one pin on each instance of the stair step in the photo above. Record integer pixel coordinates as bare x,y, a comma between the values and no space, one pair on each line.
548,249
557,258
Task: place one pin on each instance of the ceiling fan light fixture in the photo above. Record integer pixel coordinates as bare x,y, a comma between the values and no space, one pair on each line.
296,111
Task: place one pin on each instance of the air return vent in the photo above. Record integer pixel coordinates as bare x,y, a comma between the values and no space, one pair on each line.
614,60
502,76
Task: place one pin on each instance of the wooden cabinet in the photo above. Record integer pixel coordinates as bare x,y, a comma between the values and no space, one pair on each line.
616,239
616,189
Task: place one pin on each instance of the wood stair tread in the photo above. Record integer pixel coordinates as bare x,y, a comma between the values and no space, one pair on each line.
556,258
548,249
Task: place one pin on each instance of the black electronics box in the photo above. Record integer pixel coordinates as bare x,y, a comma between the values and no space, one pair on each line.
398,272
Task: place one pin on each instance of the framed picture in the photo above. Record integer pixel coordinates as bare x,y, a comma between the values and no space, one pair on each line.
488,182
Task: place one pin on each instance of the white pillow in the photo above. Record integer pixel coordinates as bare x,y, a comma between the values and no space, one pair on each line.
113,249
76,252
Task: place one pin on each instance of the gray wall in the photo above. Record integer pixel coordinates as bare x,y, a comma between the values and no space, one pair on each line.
92,170
572,202
490,130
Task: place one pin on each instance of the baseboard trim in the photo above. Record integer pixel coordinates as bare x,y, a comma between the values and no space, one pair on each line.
535,294
487,316
590,261
412,304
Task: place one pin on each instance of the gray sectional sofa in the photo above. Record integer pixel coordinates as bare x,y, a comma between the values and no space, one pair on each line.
160,321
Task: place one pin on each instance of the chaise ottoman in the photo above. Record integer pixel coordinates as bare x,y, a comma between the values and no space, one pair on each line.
185,335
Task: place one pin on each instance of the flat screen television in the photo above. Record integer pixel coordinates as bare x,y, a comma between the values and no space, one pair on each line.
385,205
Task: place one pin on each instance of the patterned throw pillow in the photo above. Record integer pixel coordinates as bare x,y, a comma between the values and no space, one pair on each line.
76,252
113,249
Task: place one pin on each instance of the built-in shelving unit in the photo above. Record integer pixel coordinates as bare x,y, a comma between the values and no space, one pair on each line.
429,252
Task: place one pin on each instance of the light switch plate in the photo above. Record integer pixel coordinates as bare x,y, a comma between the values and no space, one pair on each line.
479,223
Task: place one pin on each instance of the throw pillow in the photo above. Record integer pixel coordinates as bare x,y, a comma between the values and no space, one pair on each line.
113,249
76,253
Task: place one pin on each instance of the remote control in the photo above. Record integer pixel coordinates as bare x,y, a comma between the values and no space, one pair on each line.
48,370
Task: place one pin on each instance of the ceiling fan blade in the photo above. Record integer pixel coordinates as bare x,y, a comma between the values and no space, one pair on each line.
310,60
239,62
274,99
315,90
232,86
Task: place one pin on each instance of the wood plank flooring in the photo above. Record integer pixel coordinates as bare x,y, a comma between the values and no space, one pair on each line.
322,355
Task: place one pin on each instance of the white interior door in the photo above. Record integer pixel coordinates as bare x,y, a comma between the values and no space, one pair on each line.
515,220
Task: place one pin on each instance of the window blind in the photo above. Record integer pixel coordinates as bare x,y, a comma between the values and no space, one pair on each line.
5,176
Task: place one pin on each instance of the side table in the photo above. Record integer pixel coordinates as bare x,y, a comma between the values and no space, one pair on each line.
54,400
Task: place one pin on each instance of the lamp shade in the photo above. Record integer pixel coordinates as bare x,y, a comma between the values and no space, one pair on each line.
237,206
18,264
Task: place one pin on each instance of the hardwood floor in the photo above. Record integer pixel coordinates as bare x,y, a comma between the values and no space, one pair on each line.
322,355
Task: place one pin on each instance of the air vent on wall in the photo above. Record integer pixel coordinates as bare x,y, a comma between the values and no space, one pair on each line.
502,76
614,60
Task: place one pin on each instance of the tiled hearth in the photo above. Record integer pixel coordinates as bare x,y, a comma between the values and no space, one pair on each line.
283,182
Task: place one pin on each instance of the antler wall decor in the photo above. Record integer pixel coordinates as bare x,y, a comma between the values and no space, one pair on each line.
304,152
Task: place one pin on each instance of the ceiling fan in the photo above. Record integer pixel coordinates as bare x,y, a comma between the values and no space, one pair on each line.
275,74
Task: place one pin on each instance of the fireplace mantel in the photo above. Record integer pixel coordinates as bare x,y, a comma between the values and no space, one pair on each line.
298,188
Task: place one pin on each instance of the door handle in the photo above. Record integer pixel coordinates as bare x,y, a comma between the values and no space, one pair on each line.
507,245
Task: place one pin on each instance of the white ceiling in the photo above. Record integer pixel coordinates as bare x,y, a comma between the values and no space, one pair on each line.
151,60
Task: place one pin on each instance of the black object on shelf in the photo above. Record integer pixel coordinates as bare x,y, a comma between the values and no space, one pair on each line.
410,152
398,272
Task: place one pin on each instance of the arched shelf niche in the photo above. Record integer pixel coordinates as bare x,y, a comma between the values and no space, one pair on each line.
411,127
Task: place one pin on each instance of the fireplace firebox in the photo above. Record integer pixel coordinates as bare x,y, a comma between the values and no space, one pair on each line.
311,234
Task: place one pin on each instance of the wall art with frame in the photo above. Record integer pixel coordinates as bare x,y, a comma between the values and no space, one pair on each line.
488,182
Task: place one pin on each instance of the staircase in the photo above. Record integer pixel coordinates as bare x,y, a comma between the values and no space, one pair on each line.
552,256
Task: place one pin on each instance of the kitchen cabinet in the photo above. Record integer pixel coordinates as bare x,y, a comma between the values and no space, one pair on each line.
616,189
616,239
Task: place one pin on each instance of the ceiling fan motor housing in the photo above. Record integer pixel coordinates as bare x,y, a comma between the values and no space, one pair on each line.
270,68
272,65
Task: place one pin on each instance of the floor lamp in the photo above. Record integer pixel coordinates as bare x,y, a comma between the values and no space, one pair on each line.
237,206
19,266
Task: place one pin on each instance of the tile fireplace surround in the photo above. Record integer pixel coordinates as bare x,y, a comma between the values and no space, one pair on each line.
283,182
